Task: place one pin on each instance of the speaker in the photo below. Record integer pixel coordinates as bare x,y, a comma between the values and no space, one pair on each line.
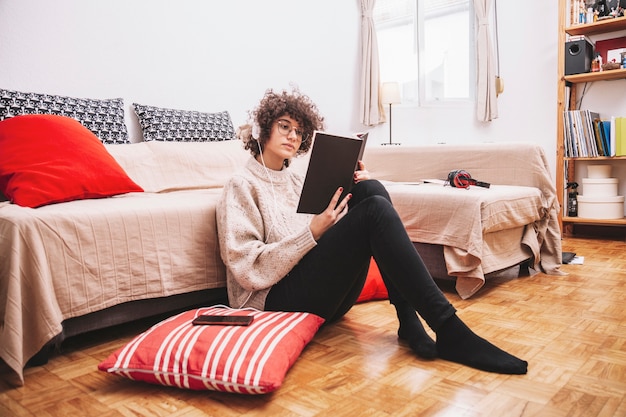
578,56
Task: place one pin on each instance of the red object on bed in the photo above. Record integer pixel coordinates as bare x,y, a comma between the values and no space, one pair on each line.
48,159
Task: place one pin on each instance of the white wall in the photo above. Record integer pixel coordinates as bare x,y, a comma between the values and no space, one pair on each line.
213,56
187,54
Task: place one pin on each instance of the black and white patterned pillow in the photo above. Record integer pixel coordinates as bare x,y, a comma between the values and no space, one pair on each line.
183,125
105,118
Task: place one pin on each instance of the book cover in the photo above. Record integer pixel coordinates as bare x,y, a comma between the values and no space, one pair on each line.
571,133
598,134
332,165
588,133
612,136
605,131
567,137
620,136
594,149
583,138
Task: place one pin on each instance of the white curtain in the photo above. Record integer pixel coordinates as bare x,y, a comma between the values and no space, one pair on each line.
371,109
486,98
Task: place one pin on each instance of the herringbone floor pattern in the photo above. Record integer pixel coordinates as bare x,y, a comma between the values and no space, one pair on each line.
571,329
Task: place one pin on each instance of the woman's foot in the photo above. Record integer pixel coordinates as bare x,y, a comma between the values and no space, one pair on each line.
419,342
458,343
412,331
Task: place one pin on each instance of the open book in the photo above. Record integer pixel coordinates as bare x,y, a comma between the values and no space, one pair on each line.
332,164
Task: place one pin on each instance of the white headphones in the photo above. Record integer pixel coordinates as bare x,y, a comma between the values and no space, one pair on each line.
255,135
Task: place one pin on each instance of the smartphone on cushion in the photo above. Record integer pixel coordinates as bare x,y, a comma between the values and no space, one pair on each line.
223,320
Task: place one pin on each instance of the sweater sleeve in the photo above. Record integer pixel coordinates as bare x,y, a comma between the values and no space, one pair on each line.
243,227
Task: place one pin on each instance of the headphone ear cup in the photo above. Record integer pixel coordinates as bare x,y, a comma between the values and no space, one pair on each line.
451,176
463,178
459,178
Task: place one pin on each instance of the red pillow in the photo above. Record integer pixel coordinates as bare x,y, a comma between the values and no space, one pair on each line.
240,359
47,159
374,288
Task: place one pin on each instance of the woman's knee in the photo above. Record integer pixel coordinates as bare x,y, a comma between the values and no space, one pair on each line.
374,209
366,189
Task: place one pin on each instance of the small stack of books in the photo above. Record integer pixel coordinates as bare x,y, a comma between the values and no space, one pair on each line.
588,135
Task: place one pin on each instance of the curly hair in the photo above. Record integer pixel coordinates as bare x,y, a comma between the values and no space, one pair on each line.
273,106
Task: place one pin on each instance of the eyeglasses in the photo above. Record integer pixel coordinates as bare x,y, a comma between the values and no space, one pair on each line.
285,128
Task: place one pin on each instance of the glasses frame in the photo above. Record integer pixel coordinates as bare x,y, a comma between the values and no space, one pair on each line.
285,128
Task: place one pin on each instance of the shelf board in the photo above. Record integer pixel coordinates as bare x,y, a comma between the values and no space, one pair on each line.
607,222
602,26
595,158
587,77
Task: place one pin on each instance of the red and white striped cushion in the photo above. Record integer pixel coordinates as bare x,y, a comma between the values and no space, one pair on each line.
241,359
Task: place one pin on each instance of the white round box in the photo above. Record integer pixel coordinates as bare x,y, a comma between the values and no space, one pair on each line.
599,171
600,187
601,207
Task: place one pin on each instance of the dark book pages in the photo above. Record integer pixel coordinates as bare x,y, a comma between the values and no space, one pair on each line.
332,165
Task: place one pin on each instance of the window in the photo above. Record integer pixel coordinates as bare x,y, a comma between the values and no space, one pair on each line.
427,46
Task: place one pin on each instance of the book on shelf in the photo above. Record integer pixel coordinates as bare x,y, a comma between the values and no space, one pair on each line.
597,129
612,136
589,132
620,136
580,135
571,142
605,132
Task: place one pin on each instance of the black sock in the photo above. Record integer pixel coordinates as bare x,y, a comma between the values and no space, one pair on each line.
412,331
457,343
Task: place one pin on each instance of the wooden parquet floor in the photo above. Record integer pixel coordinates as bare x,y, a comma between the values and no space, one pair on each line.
571,329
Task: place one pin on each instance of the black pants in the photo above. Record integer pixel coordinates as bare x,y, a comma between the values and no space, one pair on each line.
329,279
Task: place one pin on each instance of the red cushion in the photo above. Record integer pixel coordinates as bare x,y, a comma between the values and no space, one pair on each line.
374,288
241,359
47,159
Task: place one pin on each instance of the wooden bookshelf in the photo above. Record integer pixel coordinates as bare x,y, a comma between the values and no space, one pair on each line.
566,166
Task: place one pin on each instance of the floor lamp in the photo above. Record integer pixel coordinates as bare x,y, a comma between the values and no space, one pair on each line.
391,95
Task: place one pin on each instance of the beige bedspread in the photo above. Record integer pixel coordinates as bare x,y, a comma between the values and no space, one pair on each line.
462,219
51,270
474,215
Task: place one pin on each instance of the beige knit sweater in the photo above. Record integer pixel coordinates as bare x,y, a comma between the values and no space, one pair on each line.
260,234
